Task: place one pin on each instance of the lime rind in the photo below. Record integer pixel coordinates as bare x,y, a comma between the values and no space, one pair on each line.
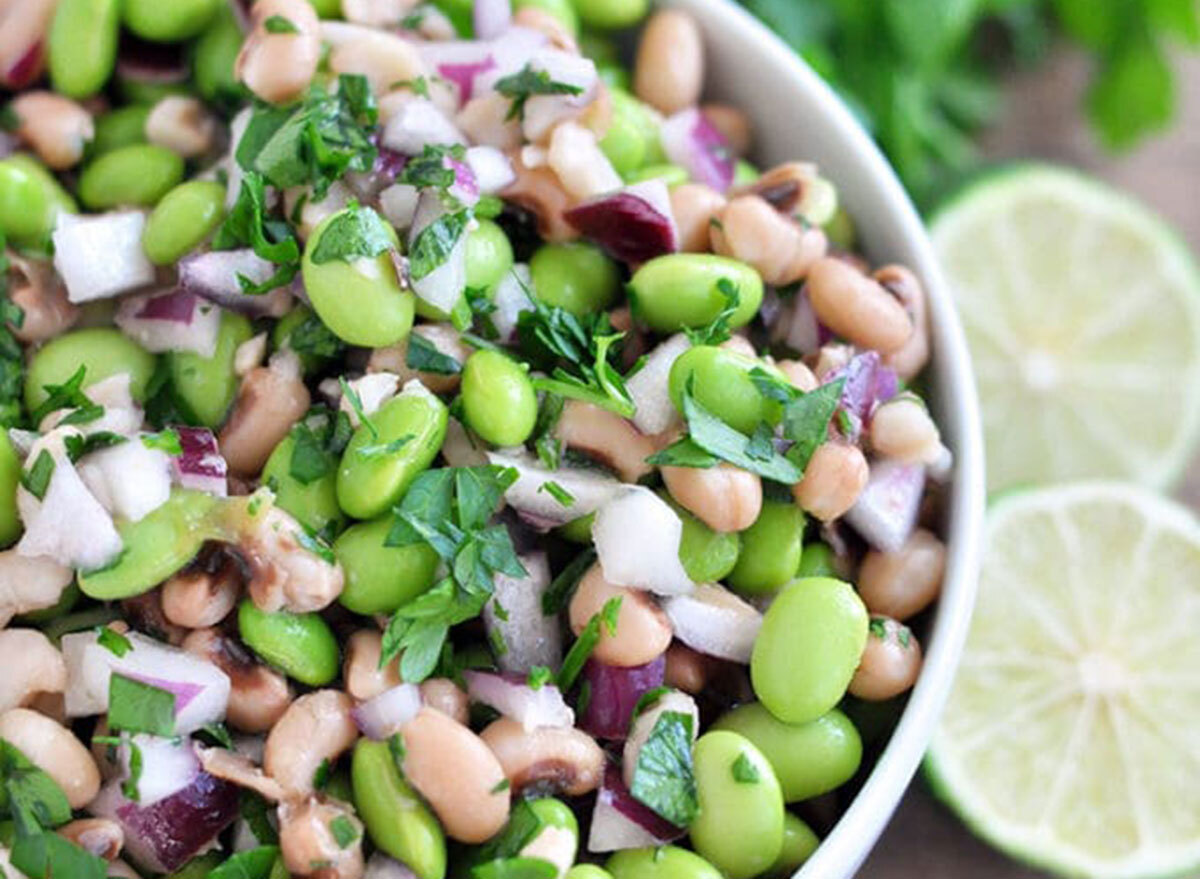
1138,784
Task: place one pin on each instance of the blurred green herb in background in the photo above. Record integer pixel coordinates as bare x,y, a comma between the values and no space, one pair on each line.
923,74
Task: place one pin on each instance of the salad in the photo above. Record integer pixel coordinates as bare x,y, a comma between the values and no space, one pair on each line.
435,450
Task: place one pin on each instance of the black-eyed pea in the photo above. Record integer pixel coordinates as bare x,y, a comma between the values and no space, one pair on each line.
890,664
725,498
32,665
447,697
607,437
733,124
902,584
909,359
669,72
39,292
270,400
799,375
780,249
278,67
903,429
258,695
559,759
833,480
326,832
315,728
643,632
695,207
686,669
183,125
363,677
101,837
198,598
857,307
55,127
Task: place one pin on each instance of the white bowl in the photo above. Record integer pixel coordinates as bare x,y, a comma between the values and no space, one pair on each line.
797,116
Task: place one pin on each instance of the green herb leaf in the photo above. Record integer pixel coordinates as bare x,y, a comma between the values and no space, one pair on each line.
28,794
165,441
557,492
253,809
806,420
68,395
558,595
574,661
249,224
356,404
79,445
359,233
218,733
314,544
647,699
277,24
112,641
521,86
718,330
255,863
664,779
50,855
433,244
137,707
344,832
430,170
396,749
539,676
424,357
312,338
744,771
716,437
129,787
36,479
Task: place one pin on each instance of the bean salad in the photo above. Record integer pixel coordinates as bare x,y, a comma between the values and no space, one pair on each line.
433,449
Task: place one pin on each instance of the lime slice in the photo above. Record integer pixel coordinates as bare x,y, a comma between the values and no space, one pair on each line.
1069,739
1082,311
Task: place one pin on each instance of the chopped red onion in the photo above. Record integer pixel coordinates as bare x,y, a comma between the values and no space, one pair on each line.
714,621
25,69
214,276
68,524
101,256
491,18
493,170
381,717
464,75
129,480
634,224
637,537
167,766
512,696
465,187
615,692
691,141
589,489
532,637
885,514
418,124
150,63
621,822
642,726
177,320
162,837
649,388
804,333
201,466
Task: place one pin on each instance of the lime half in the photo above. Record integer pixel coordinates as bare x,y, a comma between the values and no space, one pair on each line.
1070,737
1082,312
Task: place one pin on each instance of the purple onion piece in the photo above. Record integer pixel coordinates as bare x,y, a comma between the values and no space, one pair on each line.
214,276
177,305
868,383
201,466
463,75
619,821
885,514
690,140
615,692
626,225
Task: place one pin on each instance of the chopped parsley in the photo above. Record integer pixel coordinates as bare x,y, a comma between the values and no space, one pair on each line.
424,357
254,809
136,707
718,330
431,170
345,834
357,233
519,87
165,441
539,676
36,479
249,224
68,395
129,787
12,359
558,595
311,338
396,748
77,446
314,544
277,24
433,244
574,661
356,404
501,786
744,771
218,733
556,491
113,641
318,443
28,794
664,778
255,863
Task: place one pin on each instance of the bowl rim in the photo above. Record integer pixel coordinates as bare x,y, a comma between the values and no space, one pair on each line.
845,848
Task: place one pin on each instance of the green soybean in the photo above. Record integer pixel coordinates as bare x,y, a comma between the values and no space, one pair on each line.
101,351
611,14
380,578
136,175
660,862
625,142
810,644
744,173
739,829
118,128
799,843
626,105
706,555
397,821
771,549
489,256
575,276
207,385
817,560
587,871
155,547
721,383
372,477
560,9
328,8
810,758
841,230
168,22
82,48
30,201
198,868
614,75
10,477
214,55
672,175
679,291
579,530
313,503
301,645
362,302
181,222
458,11
498,399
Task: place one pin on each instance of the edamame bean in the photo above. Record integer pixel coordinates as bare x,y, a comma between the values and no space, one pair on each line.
614,76
739,829
30,201
578,530
118,128
816,560
625,143
397,821
771,549
489,256
707,555
841,230
207,385
168,22
679,290
744,173
560,9
362,301
458,11
301,645
381,578
156,546
136,175
101,351
812,638
186,216
498,399
809,759
10,476
575,276
721,383
198,868
82,46
373,476
213,57
313,503
799,843
587,871
628,105
333,8
660,862
672,175
611,14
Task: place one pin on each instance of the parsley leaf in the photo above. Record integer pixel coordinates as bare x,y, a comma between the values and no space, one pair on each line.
806,420
47,854
664,779
574,661
248,224
558,595
538,677
521,86
277,24
433,244
744,771
253,809
129,787
36,479
344,832
314,544
77,446
718,329
113,641
431,170
137,707
28,794
312,338
424,357
255,863
68,395
165,440
358,233
318,443
556,491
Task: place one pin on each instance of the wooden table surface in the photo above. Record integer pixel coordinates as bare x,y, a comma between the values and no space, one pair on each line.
925,841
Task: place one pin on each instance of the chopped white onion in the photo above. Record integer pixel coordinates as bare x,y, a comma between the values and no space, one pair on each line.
382,716
442,287
373,389
714,621
173,321
167,766
101,256
68,525
511,298
514,698
491,18
637,537
493,170
589,489
128,479
544,112
532,638
399,204
417,124
214,276
649,387
885,514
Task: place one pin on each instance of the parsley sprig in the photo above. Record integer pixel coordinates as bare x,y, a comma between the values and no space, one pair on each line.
519,87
